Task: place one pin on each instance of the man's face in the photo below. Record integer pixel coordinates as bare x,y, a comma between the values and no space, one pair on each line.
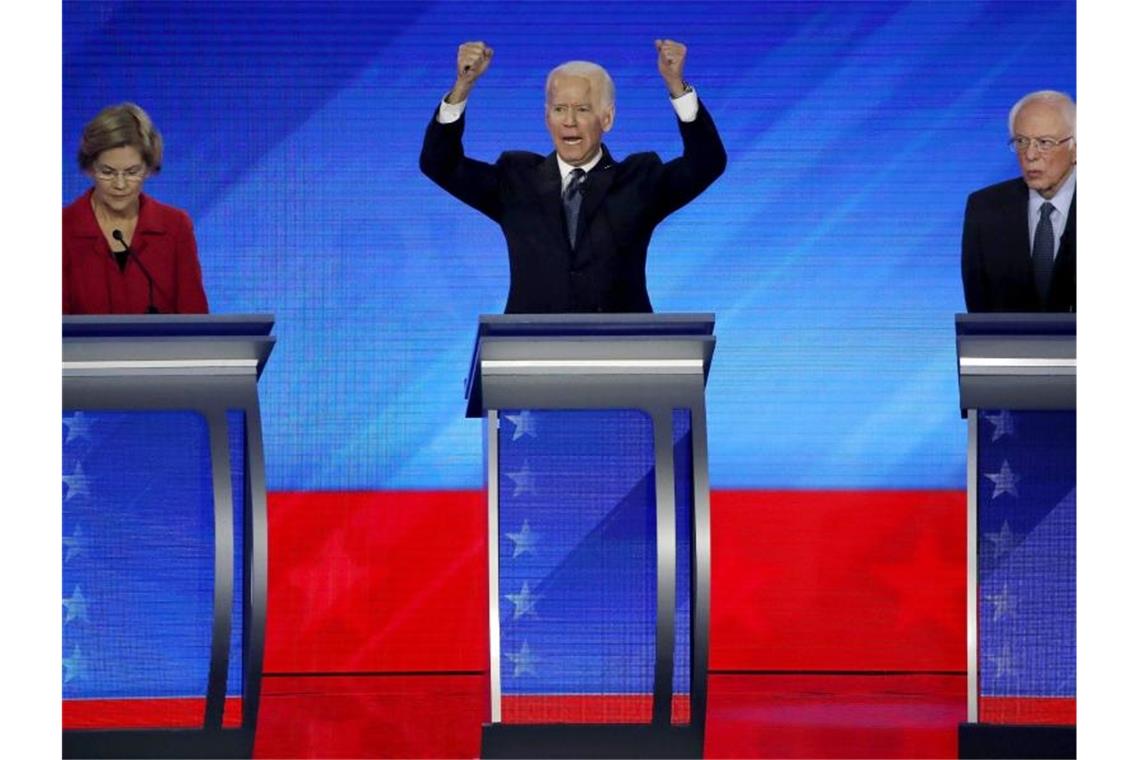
1044,172
576,119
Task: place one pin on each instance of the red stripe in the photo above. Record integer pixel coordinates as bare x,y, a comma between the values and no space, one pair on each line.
588,708
838,580
802,580
371,716
785,716
81,714
1037,711
377,581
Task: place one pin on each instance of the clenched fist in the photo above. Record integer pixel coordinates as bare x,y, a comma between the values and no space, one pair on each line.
471,61
671,64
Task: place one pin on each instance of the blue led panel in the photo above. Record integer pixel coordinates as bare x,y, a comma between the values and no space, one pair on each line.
138,554
577,563
1027,583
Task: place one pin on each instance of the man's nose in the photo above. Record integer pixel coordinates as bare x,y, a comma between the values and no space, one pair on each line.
571,117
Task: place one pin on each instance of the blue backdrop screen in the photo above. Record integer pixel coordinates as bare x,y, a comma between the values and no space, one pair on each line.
828,250
138,563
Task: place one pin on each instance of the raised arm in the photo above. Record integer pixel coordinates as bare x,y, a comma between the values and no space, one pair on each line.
471,62
442,158
704,158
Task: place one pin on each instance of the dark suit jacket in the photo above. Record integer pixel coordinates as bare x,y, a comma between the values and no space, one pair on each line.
622,202
163,242
997,264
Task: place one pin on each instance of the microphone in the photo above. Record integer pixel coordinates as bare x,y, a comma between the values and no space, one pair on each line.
131,255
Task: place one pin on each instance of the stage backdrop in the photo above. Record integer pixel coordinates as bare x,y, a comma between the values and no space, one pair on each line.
828,250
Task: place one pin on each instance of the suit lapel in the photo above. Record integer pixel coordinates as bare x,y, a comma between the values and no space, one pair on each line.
598,183
150,223
550,195
1017,212
88,234
1063,287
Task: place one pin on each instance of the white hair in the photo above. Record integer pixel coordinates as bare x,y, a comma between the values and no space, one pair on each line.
587,70
1059,100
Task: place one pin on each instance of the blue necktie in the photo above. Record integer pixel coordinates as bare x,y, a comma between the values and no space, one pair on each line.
1043,252
572,202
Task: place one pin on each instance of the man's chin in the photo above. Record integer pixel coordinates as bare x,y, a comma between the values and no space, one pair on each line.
576,158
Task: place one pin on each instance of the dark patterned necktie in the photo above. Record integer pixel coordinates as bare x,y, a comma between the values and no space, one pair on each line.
1043,252
572,202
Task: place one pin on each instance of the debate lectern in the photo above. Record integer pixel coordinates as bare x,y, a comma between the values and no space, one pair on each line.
598,532
164,534
1017,390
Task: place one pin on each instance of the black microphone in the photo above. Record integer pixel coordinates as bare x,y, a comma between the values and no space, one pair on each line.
129,254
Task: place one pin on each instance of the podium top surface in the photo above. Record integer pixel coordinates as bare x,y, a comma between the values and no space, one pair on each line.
1016,361
572,325
569,346
166,344
1016,324
166,325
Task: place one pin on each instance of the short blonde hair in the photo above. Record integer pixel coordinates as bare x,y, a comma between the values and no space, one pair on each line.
119,126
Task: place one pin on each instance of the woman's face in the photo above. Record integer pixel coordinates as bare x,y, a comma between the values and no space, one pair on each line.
118,175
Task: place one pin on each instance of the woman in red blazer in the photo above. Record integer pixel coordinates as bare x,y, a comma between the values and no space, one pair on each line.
123,251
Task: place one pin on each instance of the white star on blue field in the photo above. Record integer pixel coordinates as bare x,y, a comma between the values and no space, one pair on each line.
524,539
1004,541
523,480
1005,481
1002,422
78,426
76,606
524,601
77,483
523,660
524,423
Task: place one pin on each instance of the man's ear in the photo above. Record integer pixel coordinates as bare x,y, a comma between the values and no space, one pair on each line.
608,118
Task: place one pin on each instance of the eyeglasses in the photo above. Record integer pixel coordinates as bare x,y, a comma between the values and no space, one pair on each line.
131,174
1045,145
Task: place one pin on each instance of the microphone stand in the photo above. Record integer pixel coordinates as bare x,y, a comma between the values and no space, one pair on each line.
132,256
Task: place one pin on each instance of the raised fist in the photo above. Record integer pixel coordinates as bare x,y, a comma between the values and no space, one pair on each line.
471,61
671,64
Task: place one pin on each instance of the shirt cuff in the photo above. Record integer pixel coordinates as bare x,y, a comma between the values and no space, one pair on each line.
450,112
685,106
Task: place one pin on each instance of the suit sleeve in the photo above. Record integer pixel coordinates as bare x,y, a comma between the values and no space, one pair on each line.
443,162
190,295
974,284
701,162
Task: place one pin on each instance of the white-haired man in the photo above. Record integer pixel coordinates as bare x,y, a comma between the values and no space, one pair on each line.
577,222
1019,238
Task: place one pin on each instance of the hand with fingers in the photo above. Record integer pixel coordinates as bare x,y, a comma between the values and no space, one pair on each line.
671,64
471,62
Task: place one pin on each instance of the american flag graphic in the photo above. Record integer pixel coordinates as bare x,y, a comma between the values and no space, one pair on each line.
577,557
138,559
1027,594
